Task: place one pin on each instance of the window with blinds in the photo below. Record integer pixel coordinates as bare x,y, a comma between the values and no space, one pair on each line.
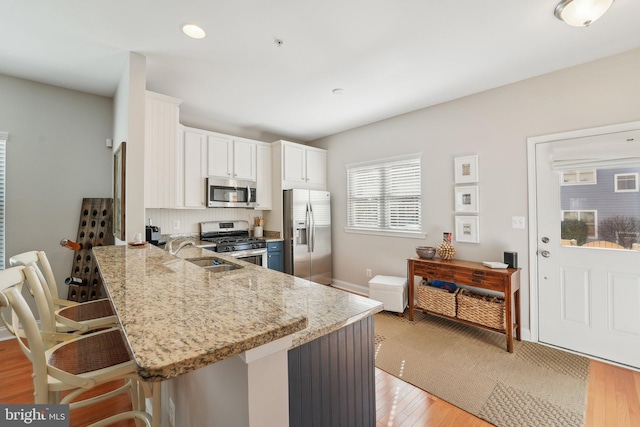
3,151
385,195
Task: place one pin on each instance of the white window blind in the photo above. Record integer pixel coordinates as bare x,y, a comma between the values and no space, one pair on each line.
3,153
385,195
598,151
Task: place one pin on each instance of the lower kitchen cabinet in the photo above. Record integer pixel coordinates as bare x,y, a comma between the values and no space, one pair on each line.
274,256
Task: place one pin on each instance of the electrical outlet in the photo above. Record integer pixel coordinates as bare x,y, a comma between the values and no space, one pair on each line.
368,272
172,413
176,224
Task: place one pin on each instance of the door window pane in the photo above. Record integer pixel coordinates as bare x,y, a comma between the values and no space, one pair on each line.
605,214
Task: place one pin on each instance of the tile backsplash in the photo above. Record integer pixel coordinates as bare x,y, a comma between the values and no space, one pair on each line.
186,221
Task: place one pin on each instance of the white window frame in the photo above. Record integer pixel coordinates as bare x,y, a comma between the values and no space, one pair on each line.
578,172
615,181
4,137
385,201
579,212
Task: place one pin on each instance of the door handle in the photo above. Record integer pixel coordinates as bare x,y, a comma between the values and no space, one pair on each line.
545,254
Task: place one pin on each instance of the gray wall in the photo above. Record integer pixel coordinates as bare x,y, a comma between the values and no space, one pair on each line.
495,125
56,155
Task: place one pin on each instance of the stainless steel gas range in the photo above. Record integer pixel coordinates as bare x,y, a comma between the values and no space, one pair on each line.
232,238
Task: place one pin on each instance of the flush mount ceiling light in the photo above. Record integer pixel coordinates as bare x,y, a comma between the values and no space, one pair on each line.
338,91
193,31
581,13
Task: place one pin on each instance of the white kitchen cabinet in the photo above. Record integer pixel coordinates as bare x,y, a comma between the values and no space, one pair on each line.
316,167
303,167
293,166
231,158
263,175
193,173
161,151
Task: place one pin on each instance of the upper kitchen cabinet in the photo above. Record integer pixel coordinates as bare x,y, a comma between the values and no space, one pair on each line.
231,158
293,166
302,166
193,168
161,151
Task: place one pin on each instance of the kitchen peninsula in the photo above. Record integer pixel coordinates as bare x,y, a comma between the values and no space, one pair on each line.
245,347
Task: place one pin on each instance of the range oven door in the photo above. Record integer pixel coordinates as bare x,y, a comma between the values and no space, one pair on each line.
253,256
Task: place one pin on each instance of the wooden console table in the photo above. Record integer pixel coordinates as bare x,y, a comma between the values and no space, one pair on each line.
473,274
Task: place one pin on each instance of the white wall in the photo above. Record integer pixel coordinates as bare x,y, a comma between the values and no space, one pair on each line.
493,124
56,155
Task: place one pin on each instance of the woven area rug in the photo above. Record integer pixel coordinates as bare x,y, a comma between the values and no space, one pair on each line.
470,368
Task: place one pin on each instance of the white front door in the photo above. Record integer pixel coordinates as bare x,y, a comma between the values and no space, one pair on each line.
588,262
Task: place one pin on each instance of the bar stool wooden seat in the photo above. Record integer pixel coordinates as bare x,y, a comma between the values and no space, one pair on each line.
70,316
77,362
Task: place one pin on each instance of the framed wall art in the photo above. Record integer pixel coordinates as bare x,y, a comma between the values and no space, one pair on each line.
468,229
466,169
466,198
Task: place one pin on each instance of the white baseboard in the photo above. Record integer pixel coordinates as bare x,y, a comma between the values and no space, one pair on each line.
5,334
351,287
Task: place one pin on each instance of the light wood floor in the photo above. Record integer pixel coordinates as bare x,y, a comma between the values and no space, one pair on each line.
613,398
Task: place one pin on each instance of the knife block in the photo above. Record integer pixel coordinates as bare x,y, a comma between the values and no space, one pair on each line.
95,229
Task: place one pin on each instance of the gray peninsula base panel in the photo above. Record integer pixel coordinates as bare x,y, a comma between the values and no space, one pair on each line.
332,379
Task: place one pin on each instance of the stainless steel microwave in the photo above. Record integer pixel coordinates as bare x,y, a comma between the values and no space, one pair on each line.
230,193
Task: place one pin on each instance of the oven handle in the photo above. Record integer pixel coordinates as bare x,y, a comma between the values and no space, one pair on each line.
249,252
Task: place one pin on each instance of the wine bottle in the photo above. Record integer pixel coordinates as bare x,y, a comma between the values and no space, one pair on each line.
70,244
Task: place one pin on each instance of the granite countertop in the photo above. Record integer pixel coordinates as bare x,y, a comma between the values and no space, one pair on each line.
178,317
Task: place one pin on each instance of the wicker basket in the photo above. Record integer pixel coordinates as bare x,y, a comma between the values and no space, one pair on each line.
437,300
485,310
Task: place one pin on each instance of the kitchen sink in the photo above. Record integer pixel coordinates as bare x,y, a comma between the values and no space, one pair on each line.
213,264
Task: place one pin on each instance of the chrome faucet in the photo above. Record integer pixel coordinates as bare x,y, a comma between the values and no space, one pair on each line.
169,246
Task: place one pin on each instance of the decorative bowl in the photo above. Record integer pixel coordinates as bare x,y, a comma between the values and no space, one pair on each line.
427,252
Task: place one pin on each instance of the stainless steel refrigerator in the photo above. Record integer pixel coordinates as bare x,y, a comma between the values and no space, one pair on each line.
307,235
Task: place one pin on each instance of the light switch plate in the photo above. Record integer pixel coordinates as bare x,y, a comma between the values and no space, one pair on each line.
518,222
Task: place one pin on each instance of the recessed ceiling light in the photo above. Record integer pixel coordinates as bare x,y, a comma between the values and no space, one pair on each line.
338,91
193,31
